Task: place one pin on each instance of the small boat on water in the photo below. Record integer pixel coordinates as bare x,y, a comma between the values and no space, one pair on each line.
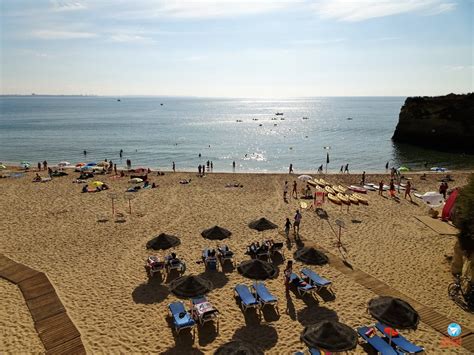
349,118
118,100
305,118
238,120
279,114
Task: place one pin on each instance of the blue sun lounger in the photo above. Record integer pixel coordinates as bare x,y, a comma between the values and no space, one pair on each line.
381,346
399,341
209,261
181,318
302,287
263,295
247,299
316,280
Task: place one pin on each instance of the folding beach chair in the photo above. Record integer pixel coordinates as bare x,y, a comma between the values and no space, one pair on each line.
316,280
225,254
154,265
247,299
302,286
210,262
176,264
182,319
264,296
203,311
399,341
376,342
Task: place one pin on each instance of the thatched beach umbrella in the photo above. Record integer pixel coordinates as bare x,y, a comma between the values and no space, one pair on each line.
237,347
393,312
262,224
190,286
216,233
310,256
163,241
256,269
330,336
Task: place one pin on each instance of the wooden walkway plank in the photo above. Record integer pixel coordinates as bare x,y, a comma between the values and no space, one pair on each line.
45,306
55,329
35,286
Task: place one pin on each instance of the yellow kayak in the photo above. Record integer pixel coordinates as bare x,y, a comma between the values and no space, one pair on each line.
339,188
353,200
312,183
360,198
333,198
343,198
323,182
329,190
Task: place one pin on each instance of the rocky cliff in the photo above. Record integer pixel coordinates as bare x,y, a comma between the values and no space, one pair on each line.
442,122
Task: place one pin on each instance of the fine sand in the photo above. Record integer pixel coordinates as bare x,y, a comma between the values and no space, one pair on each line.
97,267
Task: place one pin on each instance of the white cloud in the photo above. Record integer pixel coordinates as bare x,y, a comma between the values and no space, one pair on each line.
124,37
59,5
360,10
55,34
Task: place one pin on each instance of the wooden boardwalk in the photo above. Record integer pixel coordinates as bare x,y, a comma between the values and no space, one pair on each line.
428,315
55,329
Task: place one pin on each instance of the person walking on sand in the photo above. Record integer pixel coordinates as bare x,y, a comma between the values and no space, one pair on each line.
45,165
342,169
386,166
174,167
296,224
294,193
233,165
115,169
287,228
443,188
39,166
363,179
290,170
346,169
285,190
381,188
199,169
287,274
392,189
408,190
212,166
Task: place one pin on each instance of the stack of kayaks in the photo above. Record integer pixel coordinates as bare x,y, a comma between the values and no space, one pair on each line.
360,198
333,198
330,190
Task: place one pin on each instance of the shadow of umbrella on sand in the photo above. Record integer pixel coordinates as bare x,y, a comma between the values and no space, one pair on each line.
163,241
256,269
330,336
216,233
311,256
237,347
190,286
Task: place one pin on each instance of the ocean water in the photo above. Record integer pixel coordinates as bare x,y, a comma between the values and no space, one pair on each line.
37,128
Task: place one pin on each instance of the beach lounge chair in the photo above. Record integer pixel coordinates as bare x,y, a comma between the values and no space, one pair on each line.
225,254
399,341
264,296
381,346
154,265
302,286
182,319
203,311
316,280
247,299
263,252
175,264
210,261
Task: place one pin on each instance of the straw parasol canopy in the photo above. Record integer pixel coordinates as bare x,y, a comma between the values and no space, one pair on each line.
237,347
190,286
257,269
310,256
163,241
330,336
216,233
393,312
262,224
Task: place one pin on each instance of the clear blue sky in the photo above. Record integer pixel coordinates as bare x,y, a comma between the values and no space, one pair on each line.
241,48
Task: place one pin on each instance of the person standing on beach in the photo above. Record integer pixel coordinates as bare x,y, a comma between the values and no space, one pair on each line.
346,169
233,165
294,193
443,188
285,190
174,167
363,179
39,166
381,188
199,169
408,190
115,169
287,228
386,166
45,165
212,166
296,224
392,189
342,169
290,170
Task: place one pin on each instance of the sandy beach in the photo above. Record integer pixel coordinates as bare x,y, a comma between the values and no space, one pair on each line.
98,271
